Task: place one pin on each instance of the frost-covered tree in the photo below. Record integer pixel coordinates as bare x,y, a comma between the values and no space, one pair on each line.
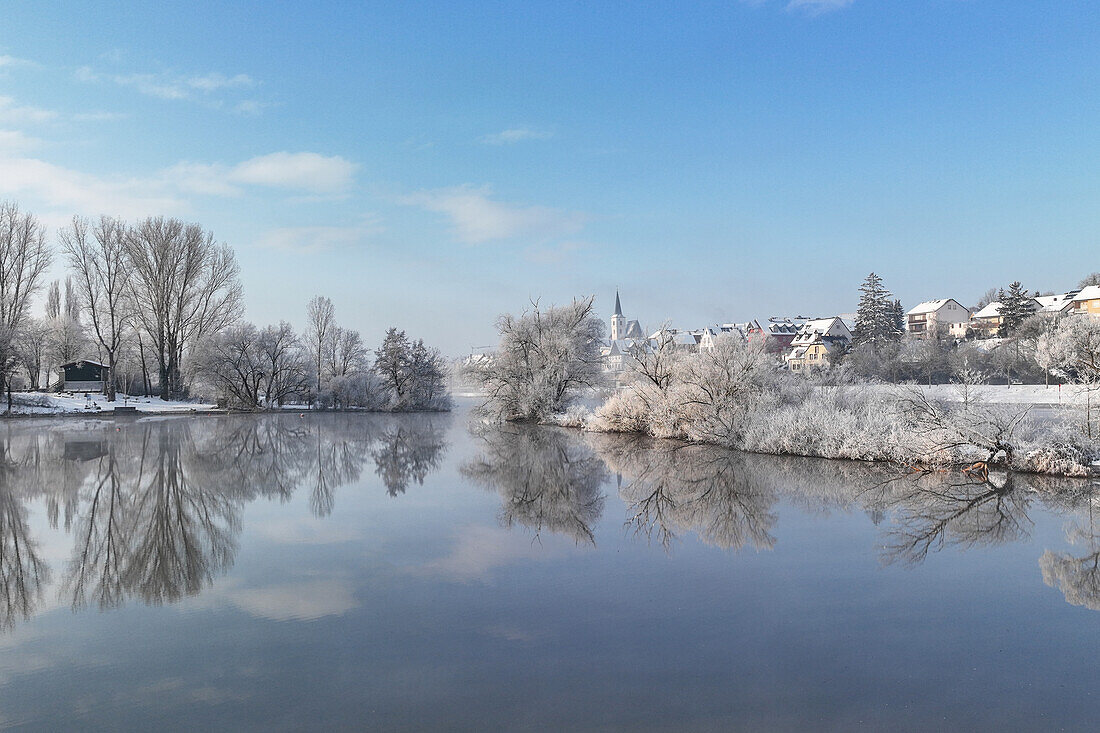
876,315
545,360
1093,279
185,286
24,257
413,376
1072,350
318,338
32,345
97,257
284,364
989,296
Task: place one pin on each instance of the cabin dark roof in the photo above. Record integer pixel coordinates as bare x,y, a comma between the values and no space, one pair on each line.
83,362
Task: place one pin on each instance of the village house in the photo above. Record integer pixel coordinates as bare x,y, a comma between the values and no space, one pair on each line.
1087,301
1053,305
986,323
815,341
83,376
943,317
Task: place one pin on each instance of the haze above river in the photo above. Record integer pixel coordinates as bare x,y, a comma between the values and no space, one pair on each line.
424,572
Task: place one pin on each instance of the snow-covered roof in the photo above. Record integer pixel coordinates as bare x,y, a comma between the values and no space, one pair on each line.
930,306
1055,303
990,311
1092,292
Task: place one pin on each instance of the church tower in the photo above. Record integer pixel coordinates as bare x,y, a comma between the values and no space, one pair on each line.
618,321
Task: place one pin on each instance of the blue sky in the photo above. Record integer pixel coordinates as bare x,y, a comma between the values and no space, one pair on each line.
431,165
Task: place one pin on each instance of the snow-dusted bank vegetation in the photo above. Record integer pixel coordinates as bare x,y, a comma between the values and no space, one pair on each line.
735,395
158,304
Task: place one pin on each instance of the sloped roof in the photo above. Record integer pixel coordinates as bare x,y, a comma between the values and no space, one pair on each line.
1055,303
618,308
1092,292
990,311
930,306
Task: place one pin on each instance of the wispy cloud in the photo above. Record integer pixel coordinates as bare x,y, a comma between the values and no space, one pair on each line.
516,134
304,172
475,217
170,85
15,114
807,7
7,62
311,239
818,7
63,189
15,141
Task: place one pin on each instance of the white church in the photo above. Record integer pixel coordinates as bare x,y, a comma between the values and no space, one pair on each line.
624,336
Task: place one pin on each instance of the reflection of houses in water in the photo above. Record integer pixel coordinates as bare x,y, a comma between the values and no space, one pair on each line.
87,449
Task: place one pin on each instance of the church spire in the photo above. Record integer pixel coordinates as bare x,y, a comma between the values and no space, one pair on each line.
618,308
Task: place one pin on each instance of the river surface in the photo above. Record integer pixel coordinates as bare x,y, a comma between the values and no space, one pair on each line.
421,572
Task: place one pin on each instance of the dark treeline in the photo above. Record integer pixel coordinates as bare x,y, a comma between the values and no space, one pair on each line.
159,304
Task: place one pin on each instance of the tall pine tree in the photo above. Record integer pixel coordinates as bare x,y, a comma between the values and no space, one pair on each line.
1016,306
877,316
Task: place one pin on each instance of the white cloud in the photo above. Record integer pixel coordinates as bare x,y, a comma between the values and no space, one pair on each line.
316,238
15,114
205,179
476,218
167,85
305,600
7,61
76,192
817,7
98,116
515,135
308,172
14,141
479,550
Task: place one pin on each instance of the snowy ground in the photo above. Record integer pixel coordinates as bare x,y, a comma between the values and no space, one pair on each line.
69,403
1017,394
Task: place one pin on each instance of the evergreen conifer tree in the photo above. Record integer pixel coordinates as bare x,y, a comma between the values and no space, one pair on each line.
1015,308
876,316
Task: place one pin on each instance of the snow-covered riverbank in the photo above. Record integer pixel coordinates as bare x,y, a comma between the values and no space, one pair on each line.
70,403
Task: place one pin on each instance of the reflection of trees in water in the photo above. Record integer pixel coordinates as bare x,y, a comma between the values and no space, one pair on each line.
1077,574
547,479
154,506
671,488
154,526
934,511
22,571
408,452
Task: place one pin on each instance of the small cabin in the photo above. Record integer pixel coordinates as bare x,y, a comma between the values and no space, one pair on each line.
83,376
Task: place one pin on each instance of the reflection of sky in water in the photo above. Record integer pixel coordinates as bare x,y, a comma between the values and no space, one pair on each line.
401,572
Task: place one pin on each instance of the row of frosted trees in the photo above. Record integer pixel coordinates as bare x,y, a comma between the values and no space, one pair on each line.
159,303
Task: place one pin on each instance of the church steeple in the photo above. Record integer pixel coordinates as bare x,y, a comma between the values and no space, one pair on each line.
618,320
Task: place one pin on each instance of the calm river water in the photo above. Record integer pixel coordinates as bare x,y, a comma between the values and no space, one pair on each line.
411,572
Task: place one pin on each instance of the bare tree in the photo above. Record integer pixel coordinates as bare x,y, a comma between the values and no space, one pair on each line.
284,363
24,257
346,353
322,322
184,286
32,345
98,260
